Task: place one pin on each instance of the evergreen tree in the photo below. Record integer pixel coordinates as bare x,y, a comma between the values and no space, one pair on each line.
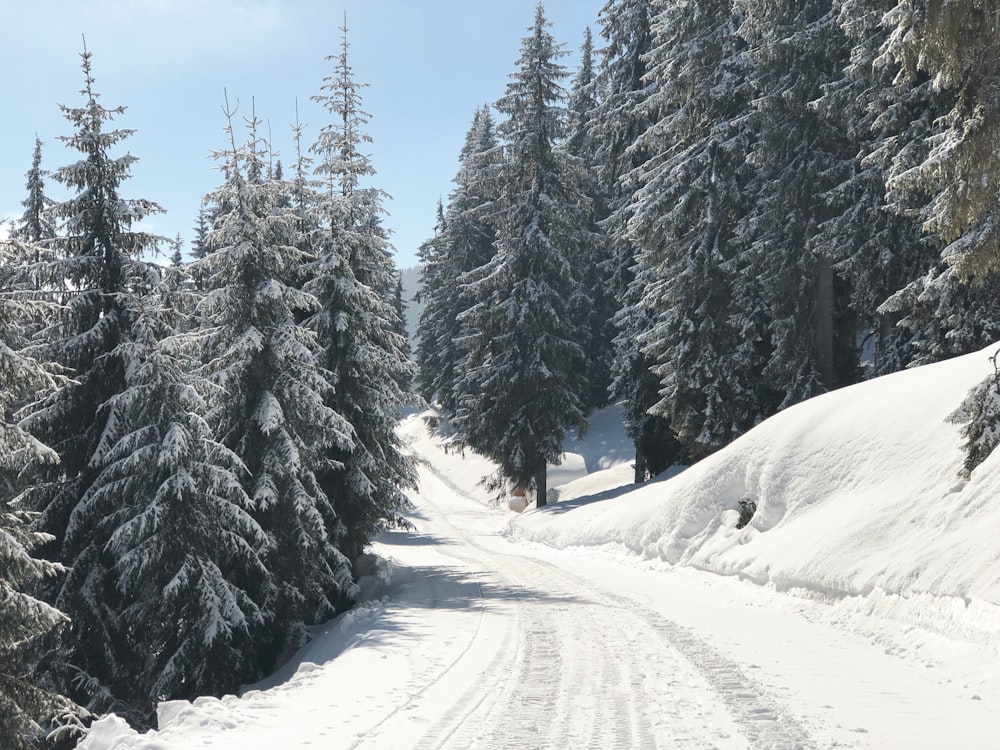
176,523
687,200
954,45
622,117
598,304
24,620
794,49
942,316
269,405
97,258
35,226
354,280
429,358
464,241
874,235
524,382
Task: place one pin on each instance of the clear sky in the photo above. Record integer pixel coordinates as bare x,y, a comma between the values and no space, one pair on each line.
429,64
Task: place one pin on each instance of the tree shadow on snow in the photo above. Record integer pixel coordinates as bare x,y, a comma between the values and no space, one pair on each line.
563,506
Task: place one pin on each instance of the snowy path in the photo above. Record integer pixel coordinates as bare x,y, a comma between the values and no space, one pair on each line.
574,650
576,666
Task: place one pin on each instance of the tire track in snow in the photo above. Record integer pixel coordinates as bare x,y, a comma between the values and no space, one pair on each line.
762,719
530,696
460,723
593,669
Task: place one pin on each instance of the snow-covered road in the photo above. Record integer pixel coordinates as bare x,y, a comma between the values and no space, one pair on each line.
570,650
557,660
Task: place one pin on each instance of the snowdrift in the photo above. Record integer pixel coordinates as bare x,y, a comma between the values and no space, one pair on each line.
858,495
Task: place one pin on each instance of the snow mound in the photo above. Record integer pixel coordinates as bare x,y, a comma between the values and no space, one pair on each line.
858,494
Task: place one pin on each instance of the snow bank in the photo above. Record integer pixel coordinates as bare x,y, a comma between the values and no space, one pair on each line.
858,495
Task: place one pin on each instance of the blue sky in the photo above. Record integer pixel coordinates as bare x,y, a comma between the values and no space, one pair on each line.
429,64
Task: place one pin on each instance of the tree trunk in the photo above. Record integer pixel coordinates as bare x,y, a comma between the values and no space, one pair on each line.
824,321
640,463
541,484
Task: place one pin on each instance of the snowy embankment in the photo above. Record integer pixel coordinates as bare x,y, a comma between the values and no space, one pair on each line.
859,502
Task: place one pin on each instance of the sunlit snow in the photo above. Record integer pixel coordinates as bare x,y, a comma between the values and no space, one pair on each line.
860,608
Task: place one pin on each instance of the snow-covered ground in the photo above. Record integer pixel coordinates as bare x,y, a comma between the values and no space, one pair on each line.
860,608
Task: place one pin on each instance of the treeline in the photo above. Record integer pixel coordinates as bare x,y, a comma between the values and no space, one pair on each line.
734,205
192,457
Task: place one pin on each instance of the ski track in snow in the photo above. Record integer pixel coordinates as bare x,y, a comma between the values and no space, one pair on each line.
579,667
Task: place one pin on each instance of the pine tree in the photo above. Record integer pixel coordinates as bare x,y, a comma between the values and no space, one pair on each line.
354,280
598,304
35,226
24,620
954,45
620,121
464,241
686,202
874,235
794,49
176,523
97,259
269,405
434,285
524,380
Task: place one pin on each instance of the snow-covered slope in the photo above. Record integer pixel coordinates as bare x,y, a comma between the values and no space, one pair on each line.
858,497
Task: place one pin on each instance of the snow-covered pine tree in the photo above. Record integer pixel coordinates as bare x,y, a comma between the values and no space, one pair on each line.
794,50
35,225
270,405
173,518
622,117
879,251
954,45
464,240
428,358
687,199
524,383
354,280
32,231
97,255
24,620
399,305
598,304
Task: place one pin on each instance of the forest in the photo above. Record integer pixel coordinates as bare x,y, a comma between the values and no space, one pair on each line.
729,206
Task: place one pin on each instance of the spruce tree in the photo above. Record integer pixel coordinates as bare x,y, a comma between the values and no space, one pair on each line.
354,281
176,524
270,392
953,44
524,383
97,254
464,241
598,304
24,620
35,226
687,199
873,234
621,119
794,49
